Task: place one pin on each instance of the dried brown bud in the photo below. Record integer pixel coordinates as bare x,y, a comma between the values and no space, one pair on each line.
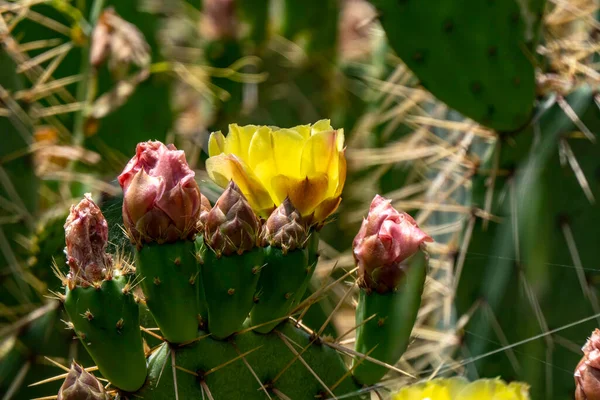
205,208
285,228
231,226
587,373
119,41
81,385
86,235
218,20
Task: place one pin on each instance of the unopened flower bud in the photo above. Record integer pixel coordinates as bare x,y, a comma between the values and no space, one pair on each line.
385,239
81,385
205,208
285,228
86,236
231,226
162,201
587,373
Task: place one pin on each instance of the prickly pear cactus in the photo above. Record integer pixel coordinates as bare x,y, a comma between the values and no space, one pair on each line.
224,287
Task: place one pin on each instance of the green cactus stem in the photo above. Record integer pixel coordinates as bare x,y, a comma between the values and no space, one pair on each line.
267,360
280,281
201,250
312,247
106,319
385,337
169,279
230,284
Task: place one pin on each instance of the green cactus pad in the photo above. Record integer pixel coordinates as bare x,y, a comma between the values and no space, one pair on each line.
386,336
237,381
230,283
280,280
106,319
201,250
473,55
313,257
169,274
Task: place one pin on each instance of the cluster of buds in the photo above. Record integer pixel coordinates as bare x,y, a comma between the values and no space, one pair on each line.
231,226
386,238
81,385
587,372
162,202
86,236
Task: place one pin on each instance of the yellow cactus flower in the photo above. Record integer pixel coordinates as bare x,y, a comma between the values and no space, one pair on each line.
305,163
461,389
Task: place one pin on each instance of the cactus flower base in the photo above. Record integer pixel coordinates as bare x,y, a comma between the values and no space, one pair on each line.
385,337
107,321
278,287
169,279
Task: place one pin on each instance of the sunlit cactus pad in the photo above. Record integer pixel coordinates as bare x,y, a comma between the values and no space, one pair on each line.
261,363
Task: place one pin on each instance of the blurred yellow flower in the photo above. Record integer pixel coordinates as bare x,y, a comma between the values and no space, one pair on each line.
461,389
305,163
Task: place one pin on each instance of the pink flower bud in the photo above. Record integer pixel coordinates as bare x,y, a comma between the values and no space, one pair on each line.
385,239
162,200
80,384
587,373
86,235
231,226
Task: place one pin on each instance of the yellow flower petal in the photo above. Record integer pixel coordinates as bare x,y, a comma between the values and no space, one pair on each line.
288,152
261,157
305,163
238,140
340,139
493,389
326,208
305,194
341,176
226,167
216,143
260,148
319,153
323,125
302,130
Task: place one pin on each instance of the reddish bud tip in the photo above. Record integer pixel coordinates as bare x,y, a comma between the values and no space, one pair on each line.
162,201
587,372
386,238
